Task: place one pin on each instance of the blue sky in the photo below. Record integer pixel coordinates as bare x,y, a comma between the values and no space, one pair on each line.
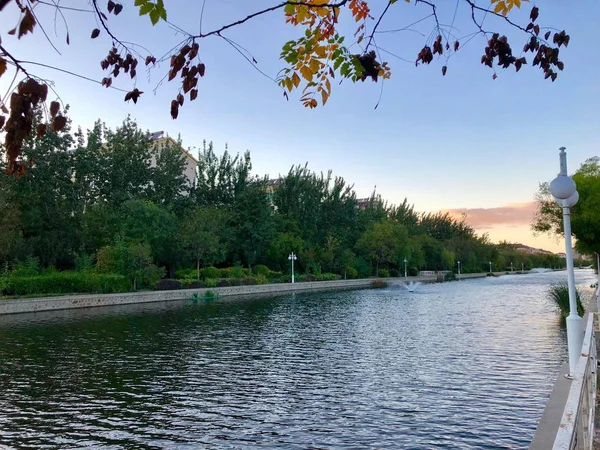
454,142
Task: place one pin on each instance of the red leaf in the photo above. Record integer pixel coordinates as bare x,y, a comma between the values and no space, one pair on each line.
174,109
201,69
133,95
41,129
494,76
54,108
444,69
534,13
59,123
547,35
27,24
110,6
2,120
456,45
68,40
95,33
118,9
150,60
193,94
180,99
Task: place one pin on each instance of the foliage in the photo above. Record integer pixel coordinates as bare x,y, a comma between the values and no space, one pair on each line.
559,293
65,283
384,273
327,31
450,276
585,215
131,260
168,285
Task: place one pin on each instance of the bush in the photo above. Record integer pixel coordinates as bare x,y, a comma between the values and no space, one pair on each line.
261,279
351,273
30,268
168,285
326,277
210,272
188,274
261,269
450,276
394,273
66,283
238,272
383,273
84,262
377,284
559,293
363,267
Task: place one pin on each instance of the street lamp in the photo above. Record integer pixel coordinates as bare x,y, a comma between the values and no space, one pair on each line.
511,266
405,261
522,267
292,257
458,267
564,191
490,267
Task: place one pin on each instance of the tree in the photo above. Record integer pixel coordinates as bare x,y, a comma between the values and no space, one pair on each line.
384,242
311,62
203,237
585,215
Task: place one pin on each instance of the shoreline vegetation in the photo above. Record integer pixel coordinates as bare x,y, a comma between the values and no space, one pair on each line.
120,211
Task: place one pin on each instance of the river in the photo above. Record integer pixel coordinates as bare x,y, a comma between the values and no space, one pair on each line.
459,365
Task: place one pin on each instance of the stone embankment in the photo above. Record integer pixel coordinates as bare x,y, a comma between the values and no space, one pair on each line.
87,301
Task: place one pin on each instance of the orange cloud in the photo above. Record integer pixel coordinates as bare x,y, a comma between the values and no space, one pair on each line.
511,215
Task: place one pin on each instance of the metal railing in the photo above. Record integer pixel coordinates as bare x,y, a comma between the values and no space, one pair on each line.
576,429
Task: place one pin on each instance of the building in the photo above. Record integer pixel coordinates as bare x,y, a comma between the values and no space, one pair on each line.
160,142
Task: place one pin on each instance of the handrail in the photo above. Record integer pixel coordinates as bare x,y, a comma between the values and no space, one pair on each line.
576,427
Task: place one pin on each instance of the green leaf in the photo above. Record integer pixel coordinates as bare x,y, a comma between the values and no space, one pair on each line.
146,8
154,16
140,2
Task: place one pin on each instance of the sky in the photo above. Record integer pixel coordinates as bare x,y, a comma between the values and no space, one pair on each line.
462,143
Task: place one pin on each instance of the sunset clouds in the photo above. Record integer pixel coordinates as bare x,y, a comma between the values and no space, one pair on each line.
511,215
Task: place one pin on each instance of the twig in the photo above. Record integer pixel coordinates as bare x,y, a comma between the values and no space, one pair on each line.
377,25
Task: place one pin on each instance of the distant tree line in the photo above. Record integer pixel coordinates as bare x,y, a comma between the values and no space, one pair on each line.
95,199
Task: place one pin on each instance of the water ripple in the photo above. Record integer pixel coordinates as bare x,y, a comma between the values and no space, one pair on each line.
467,365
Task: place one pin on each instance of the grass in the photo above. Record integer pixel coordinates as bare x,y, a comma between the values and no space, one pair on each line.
559,293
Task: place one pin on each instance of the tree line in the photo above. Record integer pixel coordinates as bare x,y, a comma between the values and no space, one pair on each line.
96,198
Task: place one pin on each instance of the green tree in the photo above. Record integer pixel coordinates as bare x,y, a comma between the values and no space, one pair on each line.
203,237
383,243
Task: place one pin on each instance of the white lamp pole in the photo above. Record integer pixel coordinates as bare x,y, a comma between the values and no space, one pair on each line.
563,189
405,261
522,267
292,257
511,266
458,267
490,267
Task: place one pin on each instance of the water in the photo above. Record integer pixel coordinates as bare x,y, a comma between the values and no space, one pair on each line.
466,365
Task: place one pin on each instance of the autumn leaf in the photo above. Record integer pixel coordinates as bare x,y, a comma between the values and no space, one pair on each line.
59,123
180,99
174,109
444,69
133,95
95,33
2,66
111,6
201,69
193,94
118,9
41,129
27,24
2,120
54,108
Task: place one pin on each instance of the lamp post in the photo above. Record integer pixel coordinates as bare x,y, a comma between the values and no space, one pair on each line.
490,267
522,267
292,257
565,193
511,266
405,262
458,267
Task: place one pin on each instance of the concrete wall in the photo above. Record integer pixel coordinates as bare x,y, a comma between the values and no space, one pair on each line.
87,301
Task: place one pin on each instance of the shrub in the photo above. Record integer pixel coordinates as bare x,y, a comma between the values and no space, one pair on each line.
29,268
383,273
210,272
261,269
168,285
84,262
394,273
363,268
261,279
326,277
450,276
211,282
66,283
192,284
238,272
559,293
351,273
187,274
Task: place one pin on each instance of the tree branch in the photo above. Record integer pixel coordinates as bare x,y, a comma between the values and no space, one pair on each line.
377,24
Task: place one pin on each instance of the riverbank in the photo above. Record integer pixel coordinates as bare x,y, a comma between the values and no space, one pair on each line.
27,305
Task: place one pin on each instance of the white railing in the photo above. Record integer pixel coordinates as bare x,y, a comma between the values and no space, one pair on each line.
576,429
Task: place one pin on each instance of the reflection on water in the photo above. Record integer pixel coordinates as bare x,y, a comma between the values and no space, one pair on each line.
464,365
